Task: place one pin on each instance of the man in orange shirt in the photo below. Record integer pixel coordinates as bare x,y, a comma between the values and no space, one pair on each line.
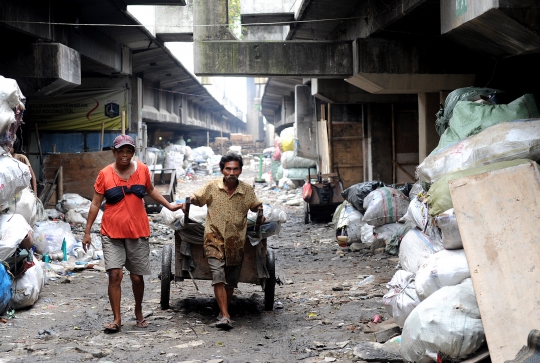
124,227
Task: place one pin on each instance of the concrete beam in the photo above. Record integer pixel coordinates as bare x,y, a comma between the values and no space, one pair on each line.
175,23
339,91
500,28
401,67
45,69
261,59
156,2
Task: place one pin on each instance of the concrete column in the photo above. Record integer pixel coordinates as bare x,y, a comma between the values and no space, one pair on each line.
305,122
207,12
428,105
252,114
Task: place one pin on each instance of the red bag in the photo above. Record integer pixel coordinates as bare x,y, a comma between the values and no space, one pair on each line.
307,189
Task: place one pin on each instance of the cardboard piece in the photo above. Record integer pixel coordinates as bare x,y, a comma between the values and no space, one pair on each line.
498,214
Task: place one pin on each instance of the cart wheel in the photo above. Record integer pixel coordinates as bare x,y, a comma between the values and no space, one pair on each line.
166,259
270,283
306,213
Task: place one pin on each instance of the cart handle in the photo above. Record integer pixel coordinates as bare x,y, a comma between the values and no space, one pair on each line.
187,204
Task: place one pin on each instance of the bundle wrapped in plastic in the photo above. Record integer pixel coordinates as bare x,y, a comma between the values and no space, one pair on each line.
401,298
13,230
24,203
289,161
445,324
49,235
444,268
348,222
385,205
271,214
417,212
447,223
415,249
15,177
286,139
28,286
518,139
355,194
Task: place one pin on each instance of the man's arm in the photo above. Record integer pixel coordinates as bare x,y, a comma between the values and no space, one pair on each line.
92,214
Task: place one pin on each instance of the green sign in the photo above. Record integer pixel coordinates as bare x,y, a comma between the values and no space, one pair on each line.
461,7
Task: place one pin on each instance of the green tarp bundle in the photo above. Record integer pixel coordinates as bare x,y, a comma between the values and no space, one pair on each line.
470,118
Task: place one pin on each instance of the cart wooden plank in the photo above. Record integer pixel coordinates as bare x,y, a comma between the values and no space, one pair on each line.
498,214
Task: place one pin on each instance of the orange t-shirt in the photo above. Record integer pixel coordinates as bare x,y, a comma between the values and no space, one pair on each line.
127,218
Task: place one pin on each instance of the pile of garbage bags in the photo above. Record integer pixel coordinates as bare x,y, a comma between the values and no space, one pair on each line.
431,296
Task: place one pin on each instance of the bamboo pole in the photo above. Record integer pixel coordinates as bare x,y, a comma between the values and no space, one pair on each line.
123,122
394,162
39,146
102,136
60,184
330,141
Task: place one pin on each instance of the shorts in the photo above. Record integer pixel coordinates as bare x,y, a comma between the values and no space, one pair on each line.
134,254
229,275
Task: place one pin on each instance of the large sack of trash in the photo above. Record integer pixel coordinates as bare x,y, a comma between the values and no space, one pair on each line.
401,298
13,229
417,212
447,223
286,139
15,176
5,286
289,161
444,268
384,205
295,173
28,286
348,222
439,198
470,118
201,154
24,203
49,235
518,139
446,324
415,249
355,194
461,94
75,208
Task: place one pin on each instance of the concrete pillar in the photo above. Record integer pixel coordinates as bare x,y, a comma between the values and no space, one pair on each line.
306,123
428,105
252,114
207,12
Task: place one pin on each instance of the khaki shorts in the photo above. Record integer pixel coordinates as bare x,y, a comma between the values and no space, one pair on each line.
134,254
229,275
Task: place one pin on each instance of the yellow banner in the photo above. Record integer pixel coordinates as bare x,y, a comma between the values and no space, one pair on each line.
83,110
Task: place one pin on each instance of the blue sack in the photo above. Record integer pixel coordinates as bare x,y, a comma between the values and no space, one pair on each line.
5,287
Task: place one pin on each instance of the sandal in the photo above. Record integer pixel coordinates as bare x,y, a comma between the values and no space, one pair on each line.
112,327
142,323
224,323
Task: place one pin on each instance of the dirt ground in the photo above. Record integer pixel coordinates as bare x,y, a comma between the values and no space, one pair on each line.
321,313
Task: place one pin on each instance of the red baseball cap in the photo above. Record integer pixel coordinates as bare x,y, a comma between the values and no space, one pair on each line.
122,140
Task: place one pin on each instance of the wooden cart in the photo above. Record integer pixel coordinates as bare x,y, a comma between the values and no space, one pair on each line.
164,181
201,271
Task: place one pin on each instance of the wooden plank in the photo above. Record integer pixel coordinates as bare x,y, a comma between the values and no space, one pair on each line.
347,148
498,214
79,170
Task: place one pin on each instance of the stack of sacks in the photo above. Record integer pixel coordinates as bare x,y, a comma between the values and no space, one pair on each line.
296,167
75,208
19,286
479,138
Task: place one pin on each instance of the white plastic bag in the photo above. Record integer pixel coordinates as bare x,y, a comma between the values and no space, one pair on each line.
366,232
447,222
15,176
447,323
13,229
417,213
386,231
290,161
415,249
385,205
349,224
73,201
28,286
48,236
401,297
25,205
72,216
444,268
169,217
271,214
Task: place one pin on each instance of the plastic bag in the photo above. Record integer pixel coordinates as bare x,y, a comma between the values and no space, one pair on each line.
271,214
366,233
447,324
356,193
48,236
415,190
401,298
25,205
13,229
386,231
392,246
439,193
290,161
349,224
444,268
287,139
28,286
385,205
73,201
277,152
447,222
5,287
415,249
15,176
506,141
72,216
417,213
307,189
